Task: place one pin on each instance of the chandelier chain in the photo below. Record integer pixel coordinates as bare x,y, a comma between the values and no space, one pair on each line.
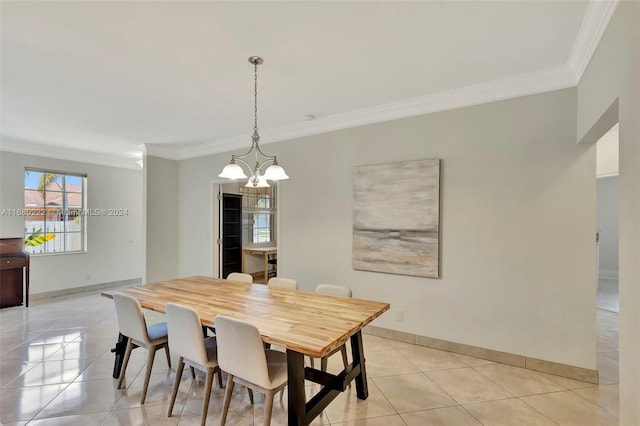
255,97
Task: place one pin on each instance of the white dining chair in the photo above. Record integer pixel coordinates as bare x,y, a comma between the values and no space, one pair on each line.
339,291
280,282
132,324
240,276
334,290
186,339
243,357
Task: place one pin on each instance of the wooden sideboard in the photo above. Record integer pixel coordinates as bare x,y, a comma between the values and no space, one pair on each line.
14,273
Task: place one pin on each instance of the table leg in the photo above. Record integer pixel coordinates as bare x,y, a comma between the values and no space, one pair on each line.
358,359
266,267
297,398
119,350
26,284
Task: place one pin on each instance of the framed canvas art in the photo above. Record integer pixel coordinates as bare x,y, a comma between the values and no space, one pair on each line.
396,218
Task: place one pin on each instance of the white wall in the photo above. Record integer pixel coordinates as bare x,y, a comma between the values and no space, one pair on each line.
161,197
613,79
518,216
608,153
114,243
197,213
607,224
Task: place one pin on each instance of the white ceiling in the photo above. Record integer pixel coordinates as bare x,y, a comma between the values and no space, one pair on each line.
105,78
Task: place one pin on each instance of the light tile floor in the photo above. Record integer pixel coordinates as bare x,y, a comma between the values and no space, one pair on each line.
56,369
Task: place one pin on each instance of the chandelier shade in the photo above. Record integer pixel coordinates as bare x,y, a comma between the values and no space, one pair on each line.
275,172
234,170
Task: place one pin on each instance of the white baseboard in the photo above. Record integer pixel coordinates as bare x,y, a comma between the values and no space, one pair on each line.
608,274
75,290
550,367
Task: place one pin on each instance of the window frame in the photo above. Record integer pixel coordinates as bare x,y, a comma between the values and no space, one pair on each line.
251,210
64,211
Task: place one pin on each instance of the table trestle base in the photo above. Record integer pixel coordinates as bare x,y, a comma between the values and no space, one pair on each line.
332,384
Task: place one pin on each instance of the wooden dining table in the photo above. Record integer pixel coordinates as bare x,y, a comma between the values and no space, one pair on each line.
304,323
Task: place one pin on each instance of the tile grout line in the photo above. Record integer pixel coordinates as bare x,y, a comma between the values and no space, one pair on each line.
473,368
494,382
531,371
458,404
386,399
596,404
538,411
472,416
490,401
48,403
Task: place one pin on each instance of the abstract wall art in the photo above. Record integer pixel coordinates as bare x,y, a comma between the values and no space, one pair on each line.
396,218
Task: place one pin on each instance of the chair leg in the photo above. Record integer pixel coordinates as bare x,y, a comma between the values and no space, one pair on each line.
127,355
217,370
208,384
166,352
227,399
147,376
268,407
176,385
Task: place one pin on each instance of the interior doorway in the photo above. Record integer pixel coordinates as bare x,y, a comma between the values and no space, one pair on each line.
608,296
607,148
255,248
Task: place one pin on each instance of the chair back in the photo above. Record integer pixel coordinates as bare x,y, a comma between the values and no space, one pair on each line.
334,290
131,321
239,276
241,352
280,282
185,333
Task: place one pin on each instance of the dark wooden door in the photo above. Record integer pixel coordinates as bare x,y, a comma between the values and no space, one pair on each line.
231,234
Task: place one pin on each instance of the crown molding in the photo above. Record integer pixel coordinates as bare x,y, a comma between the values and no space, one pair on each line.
69,154
540,81
594,24
159,150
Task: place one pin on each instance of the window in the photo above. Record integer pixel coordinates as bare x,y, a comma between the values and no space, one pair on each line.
258,215
54,203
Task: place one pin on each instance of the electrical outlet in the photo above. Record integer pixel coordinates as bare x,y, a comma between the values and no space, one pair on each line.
399,316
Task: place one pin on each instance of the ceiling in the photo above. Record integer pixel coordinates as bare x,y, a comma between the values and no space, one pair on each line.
98,80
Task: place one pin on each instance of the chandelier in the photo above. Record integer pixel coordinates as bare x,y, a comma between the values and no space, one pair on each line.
233,169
